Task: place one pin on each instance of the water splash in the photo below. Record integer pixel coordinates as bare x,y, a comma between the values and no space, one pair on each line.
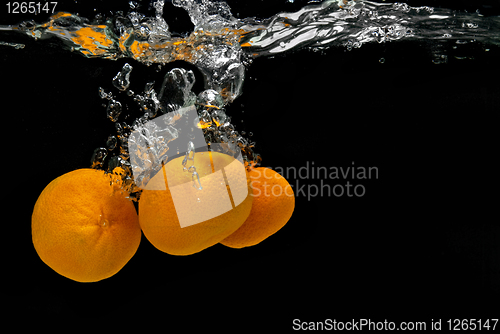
325,25
14,45
221,47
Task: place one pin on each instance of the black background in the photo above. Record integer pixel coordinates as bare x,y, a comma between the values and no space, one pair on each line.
422,244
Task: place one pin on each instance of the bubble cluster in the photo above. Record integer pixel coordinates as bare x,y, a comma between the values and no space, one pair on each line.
151,141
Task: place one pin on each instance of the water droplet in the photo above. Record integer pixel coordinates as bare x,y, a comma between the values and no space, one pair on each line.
250,134
381,60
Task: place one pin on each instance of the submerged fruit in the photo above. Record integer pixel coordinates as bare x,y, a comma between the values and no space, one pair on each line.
84,227
201,216
273,205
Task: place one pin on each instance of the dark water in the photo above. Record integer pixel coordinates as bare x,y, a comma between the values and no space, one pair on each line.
422,243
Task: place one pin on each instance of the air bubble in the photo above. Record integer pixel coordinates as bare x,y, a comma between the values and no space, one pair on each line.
122,80
196,180
133,4
190,151
103,95
111,143
114,110
149,87
98,157
210,98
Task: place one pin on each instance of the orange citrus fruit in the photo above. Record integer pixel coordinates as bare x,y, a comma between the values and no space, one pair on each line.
84,227
273,205
180,218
